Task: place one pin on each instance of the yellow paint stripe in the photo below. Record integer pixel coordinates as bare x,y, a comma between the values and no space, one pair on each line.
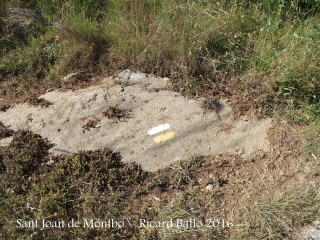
164,137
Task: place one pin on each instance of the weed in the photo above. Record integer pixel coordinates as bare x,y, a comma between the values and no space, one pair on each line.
213,104
4,131
117,114
92,123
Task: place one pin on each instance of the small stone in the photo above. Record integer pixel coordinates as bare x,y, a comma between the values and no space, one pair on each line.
209,187
157,199
69,76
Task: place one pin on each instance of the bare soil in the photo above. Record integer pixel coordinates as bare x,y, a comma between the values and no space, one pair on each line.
128,106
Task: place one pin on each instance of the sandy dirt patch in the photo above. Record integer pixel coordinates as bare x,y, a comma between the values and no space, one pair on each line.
79,120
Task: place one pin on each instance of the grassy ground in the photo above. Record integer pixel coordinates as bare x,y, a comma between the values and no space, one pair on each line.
196,43
260,197
267,53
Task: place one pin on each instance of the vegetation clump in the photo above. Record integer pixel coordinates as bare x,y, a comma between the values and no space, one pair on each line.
4,131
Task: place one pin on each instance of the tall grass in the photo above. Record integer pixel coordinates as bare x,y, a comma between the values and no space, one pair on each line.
289,53
186,38
176,38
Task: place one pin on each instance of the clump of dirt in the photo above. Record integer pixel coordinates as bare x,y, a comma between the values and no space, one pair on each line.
15,91
4,107
103,168
117,114
92,123
4,131
22,160
28,151
35,101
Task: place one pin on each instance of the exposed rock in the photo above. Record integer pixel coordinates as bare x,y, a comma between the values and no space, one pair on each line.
128,107
311,233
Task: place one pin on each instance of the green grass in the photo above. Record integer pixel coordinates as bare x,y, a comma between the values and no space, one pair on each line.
184,40
187,40
289,53
32,62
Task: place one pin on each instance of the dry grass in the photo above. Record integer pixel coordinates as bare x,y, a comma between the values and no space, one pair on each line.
117,114
97,185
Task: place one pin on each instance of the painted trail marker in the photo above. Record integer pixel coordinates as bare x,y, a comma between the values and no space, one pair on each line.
158,129
165,137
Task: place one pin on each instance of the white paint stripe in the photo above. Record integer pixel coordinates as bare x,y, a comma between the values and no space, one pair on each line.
158,129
